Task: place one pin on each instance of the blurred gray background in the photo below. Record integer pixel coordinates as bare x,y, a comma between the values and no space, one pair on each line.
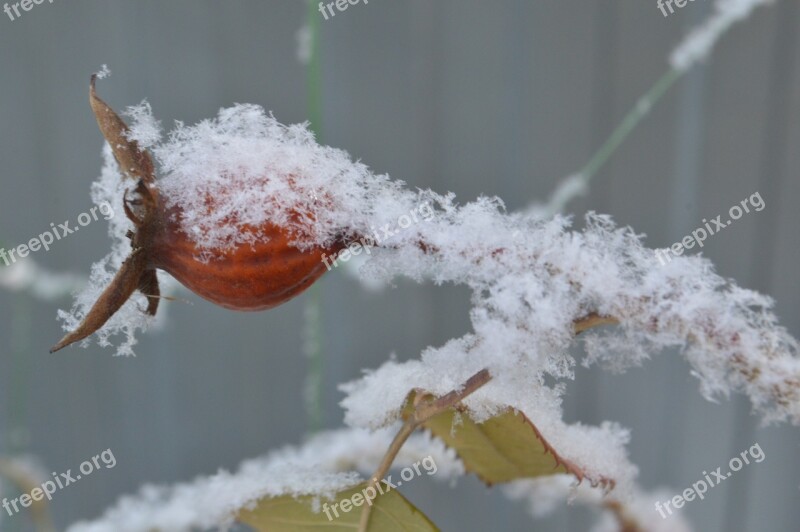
499,98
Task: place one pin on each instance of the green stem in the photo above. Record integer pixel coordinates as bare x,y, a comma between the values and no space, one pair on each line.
314,71
316,366
577,184
629,123
313,311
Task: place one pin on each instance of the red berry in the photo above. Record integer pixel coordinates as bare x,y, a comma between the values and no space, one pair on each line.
263,275
249,276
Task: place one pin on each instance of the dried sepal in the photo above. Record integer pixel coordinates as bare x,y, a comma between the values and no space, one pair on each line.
134,162
128,279
136,273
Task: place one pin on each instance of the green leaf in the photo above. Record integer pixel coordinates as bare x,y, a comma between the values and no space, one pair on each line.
391,512
503,448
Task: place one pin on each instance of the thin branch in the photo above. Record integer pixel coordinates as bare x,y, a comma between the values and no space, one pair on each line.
313,311
629,122
623,517
593,320
423,411
426,409
639,111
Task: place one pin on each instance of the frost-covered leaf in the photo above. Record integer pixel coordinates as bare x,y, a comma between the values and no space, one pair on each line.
391,512
505,447
325,464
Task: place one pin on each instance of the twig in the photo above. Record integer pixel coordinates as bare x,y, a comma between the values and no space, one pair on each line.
593,320
423,411
623,517
313,311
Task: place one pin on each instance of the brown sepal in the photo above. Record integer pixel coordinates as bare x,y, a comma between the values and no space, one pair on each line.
131,275
136,272
134,163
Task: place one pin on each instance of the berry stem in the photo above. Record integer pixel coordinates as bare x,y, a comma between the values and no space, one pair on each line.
313,310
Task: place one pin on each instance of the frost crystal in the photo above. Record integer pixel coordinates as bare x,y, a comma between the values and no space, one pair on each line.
103,73
532,281
698,44
544,495
316,468
258,170
145,130
109,189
